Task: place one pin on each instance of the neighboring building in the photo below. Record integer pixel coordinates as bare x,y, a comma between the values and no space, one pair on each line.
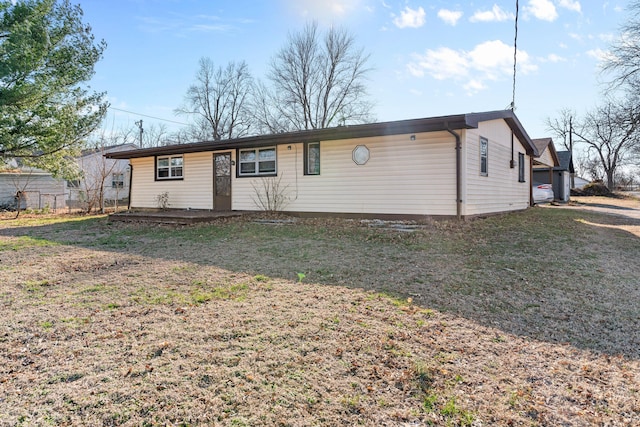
579,182
102,179
39,189
459,165
545,161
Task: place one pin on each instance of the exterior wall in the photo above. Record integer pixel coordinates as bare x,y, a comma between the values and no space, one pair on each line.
545,159
561,184
195,191
40,190
95,168
401,177
500,190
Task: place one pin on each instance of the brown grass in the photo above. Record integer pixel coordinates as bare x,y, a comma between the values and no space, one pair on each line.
525,319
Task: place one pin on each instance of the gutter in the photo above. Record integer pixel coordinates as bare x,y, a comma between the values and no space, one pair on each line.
130,186
458,172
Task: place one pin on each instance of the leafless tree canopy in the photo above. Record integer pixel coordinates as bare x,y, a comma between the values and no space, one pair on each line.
218,101
610,132
316,83
561,127
623,60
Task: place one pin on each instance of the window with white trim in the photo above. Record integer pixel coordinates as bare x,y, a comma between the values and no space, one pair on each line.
117,180
484,156
257,161
312,158
169,167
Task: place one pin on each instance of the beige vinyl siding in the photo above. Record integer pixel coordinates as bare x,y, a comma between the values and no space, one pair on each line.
500,190
194,191
401,177
545,159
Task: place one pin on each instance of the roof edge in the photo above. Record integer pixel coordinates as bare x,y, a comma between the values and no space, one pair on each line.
429,124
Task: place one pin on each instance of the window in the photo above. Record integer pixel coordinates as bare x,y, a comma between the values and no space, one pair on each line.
117,180
521,167
484,149
169,167
257,161
75,183
312,158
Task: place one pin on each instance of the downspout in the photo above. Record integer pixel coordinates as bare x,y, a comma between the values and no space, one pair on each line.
531,180
458,172
130,186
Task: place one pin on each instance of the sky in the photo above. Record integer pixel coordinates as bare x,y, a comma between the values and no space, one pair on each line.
428,58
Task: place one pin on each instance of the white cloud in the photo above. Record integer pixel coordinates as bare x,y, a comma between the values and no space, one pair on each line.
441,64
450,17
607,37
552,57
573,5
488,61
410,18
542,9
474,86
598,54
496,14
575,36
324,10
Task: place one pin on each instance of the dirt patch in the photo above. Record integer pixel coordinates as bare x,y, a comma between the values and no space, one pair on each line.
473,323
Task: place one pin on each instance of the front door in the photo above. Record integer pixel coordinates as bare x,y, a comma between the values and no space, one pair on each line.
222,181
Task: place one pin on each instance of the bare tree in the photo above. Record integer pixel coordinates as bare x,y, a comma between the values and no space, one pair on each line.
561,127
610,133
155,135
623,60
101,178
218,101
316,83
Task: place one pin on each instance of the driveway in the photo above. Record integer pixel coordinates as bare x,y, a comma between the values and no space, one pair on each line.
624,213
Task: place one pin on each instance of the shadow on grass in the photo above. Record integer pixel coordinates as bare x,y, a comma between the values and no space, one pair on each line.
547,274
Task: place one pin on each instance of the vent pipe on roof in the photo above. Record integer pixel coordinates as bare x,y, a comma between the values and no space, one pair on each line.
458,172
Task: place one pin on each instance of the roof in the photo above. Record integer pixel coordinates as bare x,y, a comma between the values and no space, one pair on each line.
127,146
566,161
430,124
542,144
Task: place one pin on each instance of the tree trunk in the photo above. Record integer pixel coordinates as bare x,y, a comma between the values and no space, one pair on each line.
610,181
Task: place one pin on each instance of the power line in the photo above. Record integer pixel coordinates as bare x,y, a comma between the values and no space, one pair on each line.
145,115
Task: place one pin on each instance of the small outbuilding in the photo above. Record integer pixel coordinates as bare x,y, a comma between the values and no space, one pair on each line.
460,165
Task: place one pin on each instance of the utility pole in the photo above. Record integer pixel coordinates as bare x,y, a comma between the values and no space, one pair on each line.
572,175
139,124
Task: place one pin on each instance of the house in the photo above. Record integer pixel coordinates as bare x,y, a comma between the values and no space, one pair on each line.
461,165
37,188
544,162
553,167
102,180
579,182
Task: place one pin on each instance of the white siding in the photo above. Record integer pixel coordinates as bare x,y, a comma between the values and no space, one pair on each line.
401,177
545,158
95,168
500,190
40,190
194,191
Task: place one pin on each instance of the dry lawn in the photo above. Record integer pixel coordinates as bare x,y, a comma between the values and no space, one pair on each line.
528,319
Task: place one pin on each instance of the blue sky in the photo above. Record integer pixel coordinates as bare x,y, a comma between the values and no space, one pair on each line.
429,58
